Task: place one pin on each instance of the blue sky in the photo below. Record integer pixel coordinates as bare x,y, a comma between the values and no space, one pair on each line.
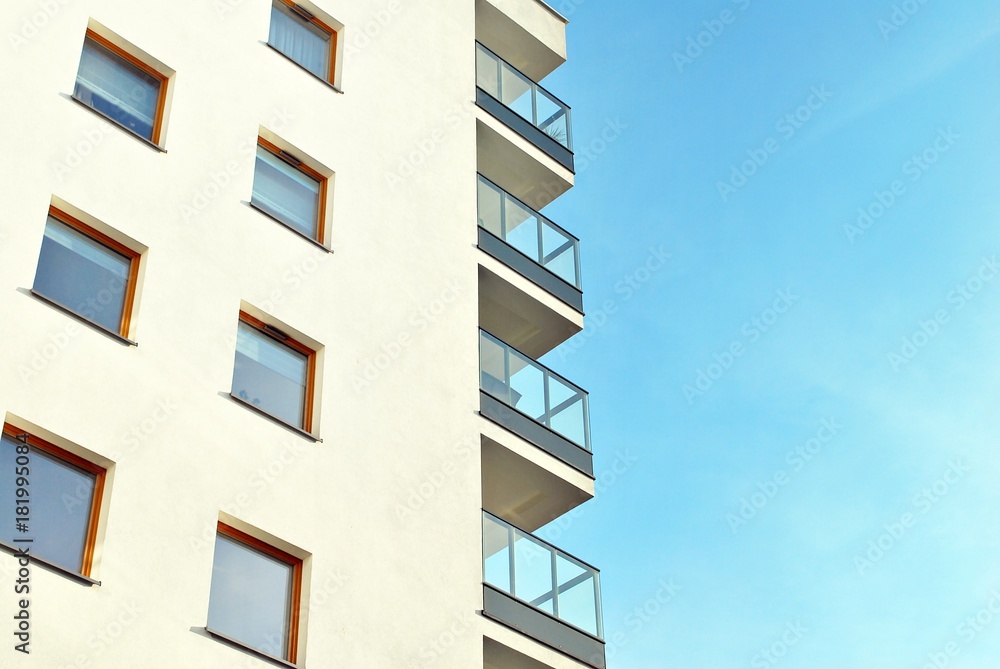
828,495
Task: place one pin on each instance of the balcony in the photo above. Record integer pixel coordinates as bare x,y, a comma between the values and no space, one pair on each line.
534,403
529,274
524,240
522,105
528,33
542,592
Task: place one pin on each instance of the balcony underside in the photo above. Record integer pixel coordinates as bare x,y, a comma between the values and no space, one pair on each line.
520,312
498,656
526,33
516,165
525,484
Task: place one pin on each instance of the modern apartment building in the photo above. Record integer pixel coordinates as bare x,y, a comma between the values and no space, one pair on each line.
274,287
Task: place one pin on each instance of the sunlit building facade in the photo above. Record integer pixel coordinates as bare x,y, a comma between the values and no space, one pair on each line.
275,288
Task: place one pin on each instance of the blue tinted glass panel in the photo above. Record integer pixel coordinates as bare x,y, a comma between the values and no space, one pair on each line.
118,89
251,596
82,275
496,554
60,501
286,193
533,572
577,595
270,375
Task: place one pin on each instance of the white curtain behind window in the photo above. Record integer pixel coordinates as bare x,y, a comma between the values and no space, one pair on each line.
306,44
286,193
275,356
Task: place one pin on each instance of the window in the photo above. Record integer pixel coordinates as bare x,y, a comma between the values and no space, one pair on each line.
64,499
274,373
255,594
119,86
86,272
299,35
289,191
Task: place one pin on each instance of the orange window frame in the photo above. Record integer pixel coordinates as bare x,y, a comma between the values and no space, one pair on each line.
280,555
269,331
75,460
308,171
331,75
118,247
126,56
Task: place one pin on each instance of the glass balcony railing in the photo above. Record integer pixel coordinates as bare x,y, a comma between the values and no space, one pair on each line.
532,389
524,229
520,94
542,576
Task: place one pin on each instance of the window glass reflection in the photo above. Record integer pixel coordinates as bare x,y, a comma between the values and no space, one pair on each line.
270,375
251,596
60,503
286,193
82,275
117,88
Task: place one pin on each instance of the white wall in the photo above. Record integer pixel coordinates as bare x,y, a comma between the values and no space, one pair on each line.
410,586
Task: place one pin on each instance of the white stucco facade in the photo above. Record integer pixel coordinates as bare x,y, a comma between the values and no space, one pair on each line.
383,503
